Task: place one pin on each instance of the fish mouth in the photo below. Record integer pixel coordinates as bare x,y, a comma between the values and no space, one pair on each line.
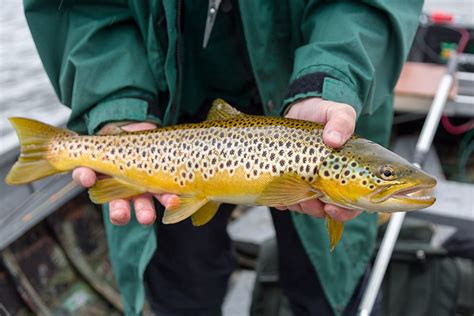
415,194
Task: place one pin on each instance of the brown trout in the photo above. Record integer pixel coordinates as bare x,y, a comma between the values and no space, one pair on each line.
229,158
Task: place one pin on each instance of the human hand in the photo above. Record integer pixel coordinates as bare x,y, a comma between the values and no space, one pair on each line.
339,120
119,210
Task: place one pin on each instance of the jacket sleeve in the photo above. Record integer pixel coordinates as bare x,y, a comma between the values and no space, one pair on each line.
94,56
353,51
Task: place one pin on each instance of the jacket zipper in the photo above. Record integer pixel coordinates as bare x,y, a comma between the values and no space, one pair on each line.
179,68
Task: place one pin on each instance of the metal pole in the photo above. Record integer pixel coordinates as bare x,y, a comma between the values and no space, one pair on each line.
432,120
395,224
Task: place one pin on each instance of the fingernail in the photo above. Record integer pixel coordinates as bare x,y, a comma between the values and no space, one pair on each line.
82,178
118,217
334,137
146,217
332,211
172,202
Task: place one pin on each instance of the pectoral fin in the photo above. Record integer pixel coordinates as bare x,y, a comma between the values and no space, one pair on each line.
109,189
287,190
188,205
205,213
335,229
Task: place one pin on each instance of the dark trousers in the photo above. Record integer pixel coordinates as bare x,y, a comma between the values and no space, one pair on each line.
189,272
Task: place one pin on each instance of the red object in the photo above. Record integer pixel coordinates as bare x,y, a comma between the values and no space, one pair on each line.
463,41
456,130
441,17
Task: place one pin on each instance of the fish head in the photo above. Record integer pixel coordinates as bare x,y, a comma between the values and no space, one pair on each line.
366,176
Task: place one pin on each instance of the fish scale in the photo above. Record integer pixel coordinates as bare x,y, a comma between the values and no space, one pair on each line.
208,151
229,158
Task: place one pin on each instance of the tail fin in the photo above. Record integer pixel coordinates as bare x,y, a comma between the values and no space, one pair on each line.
34,139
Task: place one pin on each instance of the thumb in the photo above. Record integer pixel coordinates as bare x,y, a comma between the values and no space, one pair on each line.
340,125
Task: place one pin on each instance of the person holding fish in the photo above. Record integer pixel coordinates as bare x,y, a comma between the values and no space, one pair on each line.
134,66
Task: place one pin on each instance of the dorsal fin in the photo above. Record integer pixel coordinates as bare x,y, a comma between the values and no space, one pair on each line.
222,110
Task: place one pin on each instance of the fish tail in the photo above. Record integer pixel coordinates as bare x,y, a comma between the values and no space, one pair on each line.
33,163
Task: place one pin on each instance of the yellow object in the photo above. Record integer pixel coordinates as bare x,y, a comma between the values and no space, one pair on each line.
230,158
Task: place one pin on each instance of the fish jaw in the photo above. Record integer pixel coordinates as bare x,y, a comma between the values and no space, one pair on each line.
403,197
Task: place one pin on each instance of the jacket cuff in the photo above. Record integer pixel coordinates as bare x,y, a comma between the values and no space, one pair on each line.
123,109
328,83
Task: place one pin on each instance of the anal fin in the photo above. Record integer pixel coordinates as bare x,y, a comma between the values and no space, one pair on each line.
109,189
287,190
335,230
205,213
188,205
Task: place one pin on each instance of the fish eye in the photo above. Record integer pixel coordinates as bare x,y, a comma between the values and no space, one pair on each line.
387,172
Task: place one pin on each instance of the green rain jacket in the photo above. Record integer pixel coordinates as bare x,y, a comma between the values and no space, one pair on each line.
113,60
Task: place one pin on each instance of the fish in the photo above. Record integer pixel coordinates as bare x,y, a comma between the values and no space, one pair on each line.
231,158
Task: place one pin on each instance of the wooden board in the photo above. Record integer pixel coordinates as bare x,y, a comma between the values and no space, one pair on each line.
418,85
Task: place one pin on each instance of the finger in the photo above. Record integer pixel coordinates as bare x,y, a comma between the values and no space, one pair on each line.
169,201
141,126
339,213
84,176
119,212
295,208
313,208
312,109
340,125
281,208
144,209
